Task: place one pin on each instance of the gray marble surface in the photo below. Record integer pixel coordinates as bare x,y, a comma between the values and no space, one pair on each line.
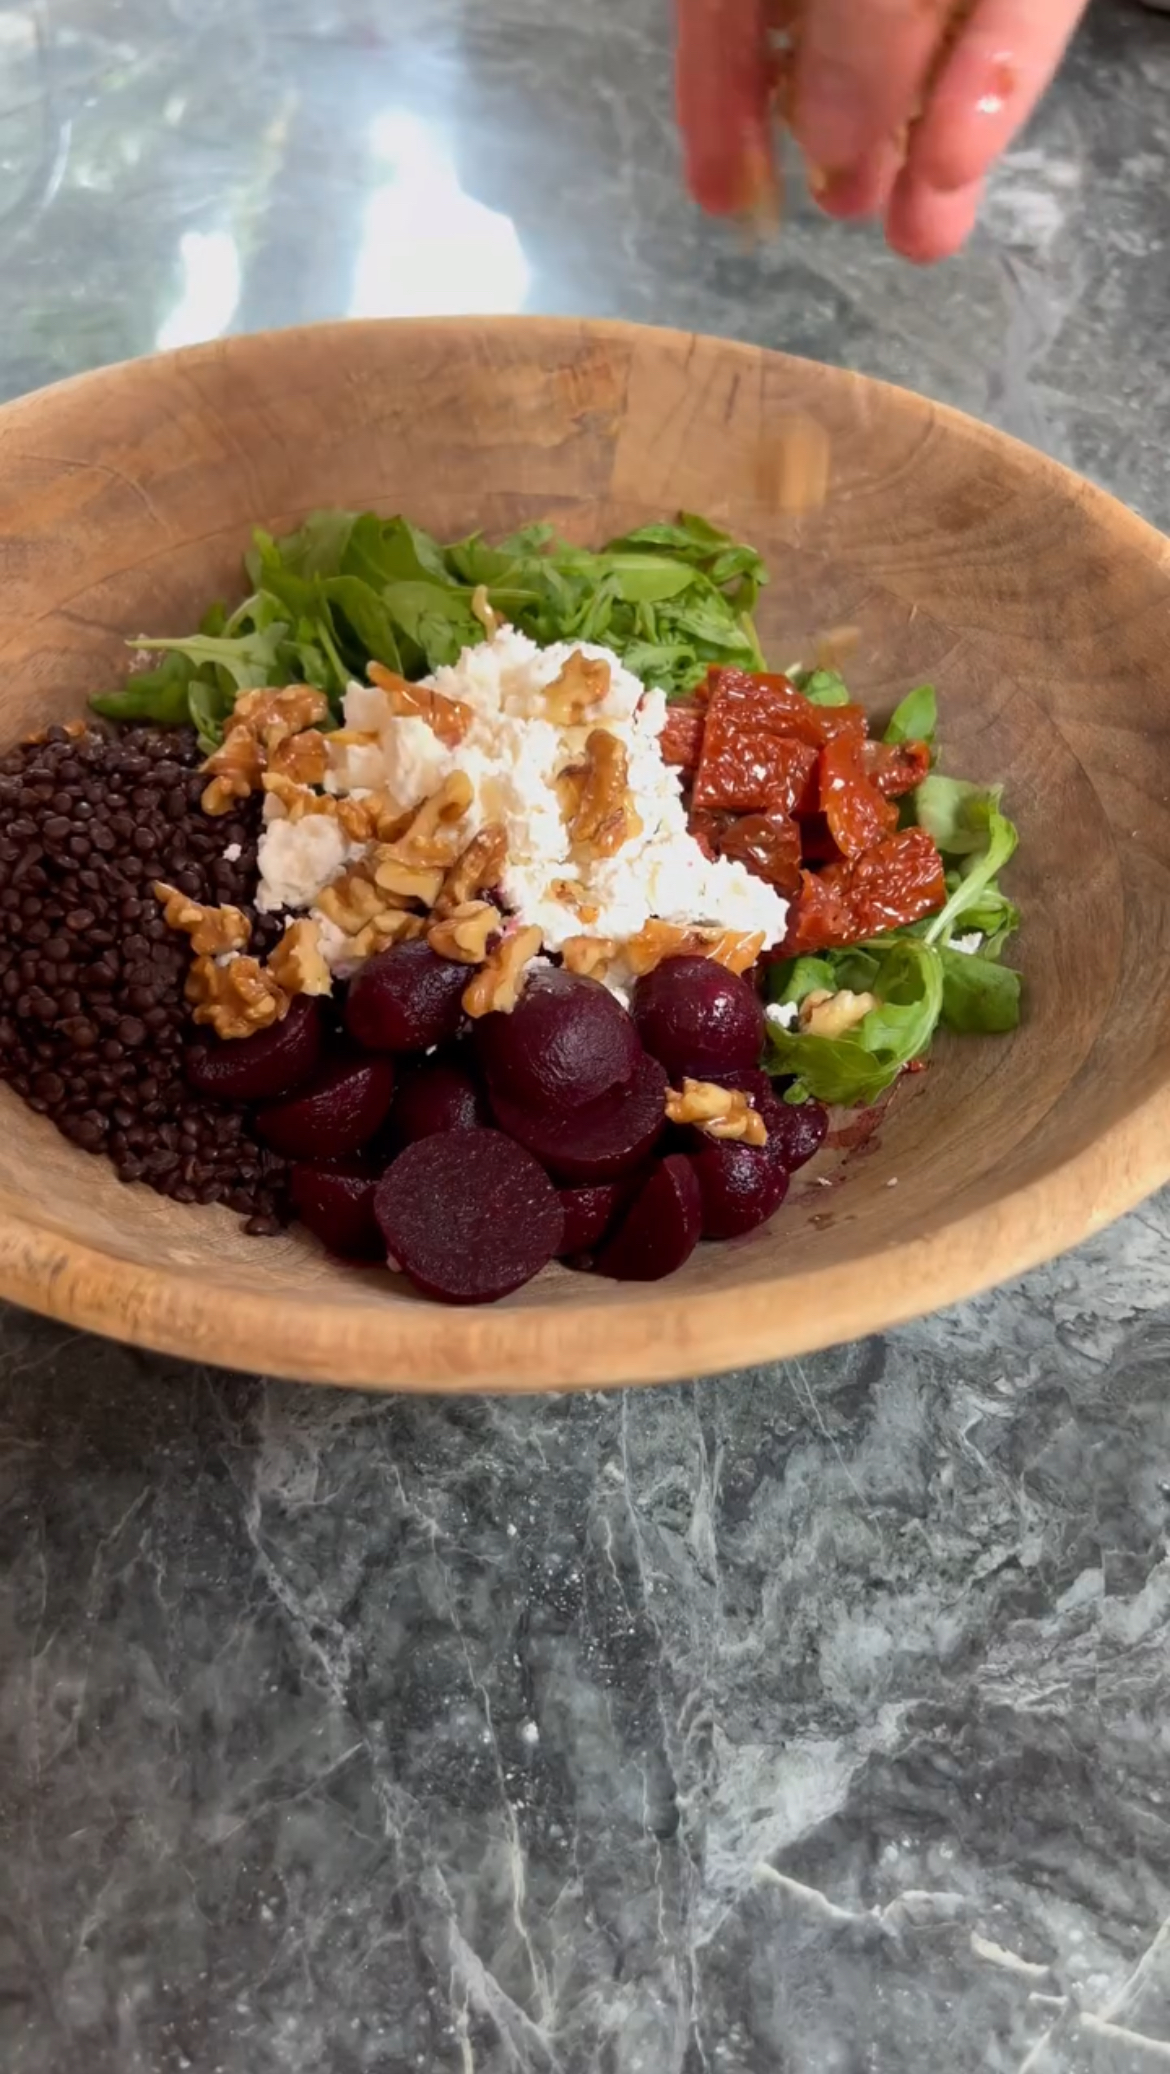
809,1720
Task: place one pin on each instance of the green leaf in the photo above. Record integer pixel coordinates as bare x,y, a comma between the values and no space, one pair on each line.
159,695
916,718
978,869
318,549
209,706
249,659
994,916
822,687
955,812
978,993
907,978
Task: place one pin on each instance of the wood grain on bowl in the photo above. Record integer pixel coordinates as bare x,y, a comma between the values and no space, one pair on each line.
1040,608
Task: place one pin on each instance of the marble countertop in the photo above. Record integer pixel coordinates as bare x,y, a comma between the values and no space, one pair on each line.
808,1721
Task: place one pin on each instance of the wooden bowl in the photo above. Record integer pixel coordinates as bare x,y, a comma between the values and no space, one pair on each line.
1040,609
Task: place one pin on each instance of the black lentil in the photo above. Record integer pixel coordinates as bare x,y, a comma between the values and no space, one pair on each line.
92,1014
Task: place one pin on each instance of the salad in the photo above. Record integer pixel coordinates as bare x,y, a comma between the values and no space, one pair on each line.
483,905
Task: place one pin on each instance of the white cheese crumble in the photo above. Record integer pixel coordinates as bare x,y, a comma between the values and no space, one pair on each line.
968,944
513,754
785,1014
233,853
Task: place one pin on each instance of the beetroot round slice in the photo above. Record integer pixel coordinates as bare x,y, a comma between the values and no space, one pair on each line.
469,1216
796,1130
660,1230
406,999
699,1019
589,1212
566,1042
341,1107
599,1142
440,1096
260,1068
336,1203
740,1186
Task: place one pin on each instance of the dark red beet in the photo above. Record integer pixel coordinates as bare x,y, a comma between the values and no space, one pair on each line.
440,1096
337,1204
795,1130
589,1212
259,1068
660,1230
697,1018
740,1186
469,1216
405,999
566,1042
342,1106
599,1142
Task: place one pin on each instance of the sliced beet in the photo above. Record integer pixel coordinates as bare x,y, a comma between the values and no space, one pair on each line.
698,1019
796,1130
566,1042
660,1229
260,1068
343,1105
406,999
598,1142
589,1212
336,1203
469,1216
740,1186
438,1096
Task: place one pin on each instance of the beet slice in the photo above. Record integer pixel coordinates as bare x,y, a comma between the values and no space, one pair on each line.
796,1130
589,1212
566,1042
342,1106
406,999
260,1068
660,1229
740,1186
336,1203
698,1019
469,1215
599,1142
439,1096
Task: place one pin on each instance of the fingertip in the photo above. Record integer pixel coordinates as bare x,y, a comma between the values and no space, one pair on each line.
858,191
925,225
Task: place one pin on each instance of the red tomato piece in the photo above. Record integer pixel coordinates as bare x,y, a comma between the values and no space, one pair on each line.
855,810
898,881
896,767
817,845
774,706
769,845
682,737
707,825
745,766
819,918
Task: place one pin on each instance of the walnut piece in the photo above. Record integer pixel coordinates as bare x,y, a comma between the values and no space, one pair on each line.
304,758
448,718
734,949
588,956
393,925
235,999
655,941
372,816
583,682
431,835
352,901
476,870
212,930
604,818
297,800
498,985
297,965
405,881
235,771
722,1112
464,934
258,728
570,894
823,1014
272,716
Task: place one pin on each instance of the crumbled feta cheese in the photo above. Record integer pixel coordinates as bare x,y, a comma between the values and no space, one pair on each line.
233,853
784,1014
297,860
968,944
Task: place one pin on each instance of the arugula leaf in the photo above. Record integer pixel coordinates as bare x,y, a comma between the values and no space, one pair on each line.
249,659
907,977
978,993
979,868
993,915
822,687
916,718
208,706
159,695
954,812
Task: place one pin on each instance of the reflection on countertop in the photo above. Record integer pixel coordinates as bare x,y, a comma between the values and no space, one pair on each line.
808,1721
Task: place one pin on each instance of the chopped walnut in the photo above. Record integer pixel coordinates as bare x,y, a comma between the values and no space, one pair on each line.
235,999
298,800
297,965
830,1015
583,682
589,956
723,1112
498,985
272,716
373,816
394,925
485,612
352,900
605,817
405,881
449,718
431,837
476,870
654,942
235,771
465,934
304,758
570,894
212,930
735,950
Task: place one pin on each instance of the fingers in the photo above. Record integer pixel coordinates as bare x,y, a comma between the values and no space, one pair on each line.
724,112
925,224
861,65
990,84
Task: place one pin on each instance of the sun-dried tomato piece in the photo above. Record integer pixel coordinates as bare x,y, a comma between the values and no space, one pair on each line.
769,845
774,706
855,810
897,882
707,825
819,918
747,767
682,737
896,767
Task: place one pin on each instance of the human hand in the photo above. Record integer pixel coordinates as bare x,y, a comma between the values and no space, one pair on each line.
899,106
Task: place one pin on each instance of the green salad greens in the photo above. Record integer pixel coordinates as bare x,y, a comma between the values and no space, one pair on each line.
350,588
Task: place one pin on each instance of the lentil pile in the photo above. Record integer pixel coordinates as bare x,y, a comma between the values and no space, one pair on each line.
92,1014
